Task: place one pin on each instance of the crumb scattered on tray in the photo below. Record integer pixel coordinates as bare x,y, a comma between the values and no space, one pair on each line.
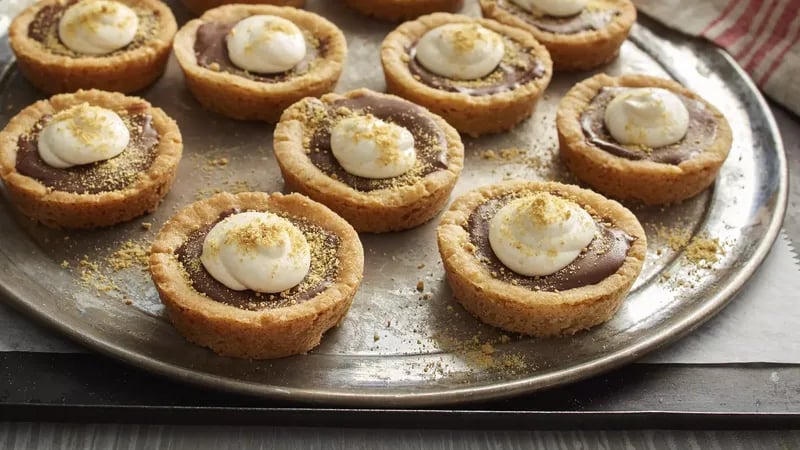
704,251
130,254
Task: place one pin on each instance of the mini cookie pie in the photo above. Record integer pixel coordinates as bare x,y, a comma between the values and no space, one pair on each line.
89,159
641,137
480,75
256,275
250,62
397,10
114,45
580,34
200,6
542,259
379,161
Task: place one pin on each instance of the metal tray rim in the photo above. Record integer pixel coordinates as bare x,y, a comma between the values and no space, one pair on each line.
463,394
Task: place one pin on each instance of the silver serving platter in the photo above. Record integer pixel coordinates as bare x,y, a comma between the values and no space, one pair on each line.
399,347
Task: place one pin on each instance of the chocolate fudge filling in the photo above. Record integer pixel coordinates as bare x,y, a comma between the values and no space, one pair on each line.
519,66
430,142
211,50
702,131
324,247
602,258
44,29
109,175
587,20
45,21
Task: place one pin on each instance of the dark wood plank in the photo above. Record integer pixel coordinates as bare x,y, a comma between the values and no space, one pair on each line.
23,436
92,388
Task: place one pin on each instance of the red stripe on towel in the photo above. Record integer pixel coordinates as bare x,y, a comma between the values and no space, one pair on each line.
721,17
776,35
741,26
790,42
748,52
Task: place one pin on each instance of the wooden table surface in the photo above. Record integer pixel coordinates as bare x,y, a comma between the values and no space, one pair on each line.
127,437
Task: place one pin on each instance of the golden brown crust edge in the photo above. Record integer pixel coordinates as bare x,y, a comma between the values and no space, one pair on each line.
125,72
397,10
622,178
230,331
198,7
69,210
244,99
582,51
521,310
473,115
377,211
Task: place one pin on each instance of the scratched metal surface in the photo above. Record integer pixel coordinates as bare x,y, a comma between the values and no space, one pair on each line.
396,347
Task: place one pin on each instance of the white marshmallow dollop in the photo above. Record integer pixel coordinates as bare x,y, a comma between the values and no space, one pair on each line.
460,51
652,117
81,135
540,234
266,44
259,251
97,27
555,8
369,147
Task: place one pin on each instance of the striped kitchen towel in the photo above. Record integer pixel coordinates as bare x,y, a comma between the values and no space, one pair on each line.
763,35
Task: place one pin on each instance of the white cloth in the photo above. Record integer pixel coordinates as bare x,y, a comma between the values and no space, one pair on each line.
762,35
758,326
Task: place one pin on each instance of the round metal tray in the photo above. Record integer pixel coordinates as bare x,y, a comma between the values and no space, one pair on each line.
399,346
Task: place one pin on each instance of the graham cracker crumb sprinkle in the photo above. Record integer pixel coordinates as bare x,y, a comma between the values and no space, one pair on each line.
676,238
130,254
466,36
106,175
92,276
543,208
44,29
104,273
218,162
91,125
704,251
481,352
271,28
323,246
315,57
320,116
385,135
251,237
700,250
